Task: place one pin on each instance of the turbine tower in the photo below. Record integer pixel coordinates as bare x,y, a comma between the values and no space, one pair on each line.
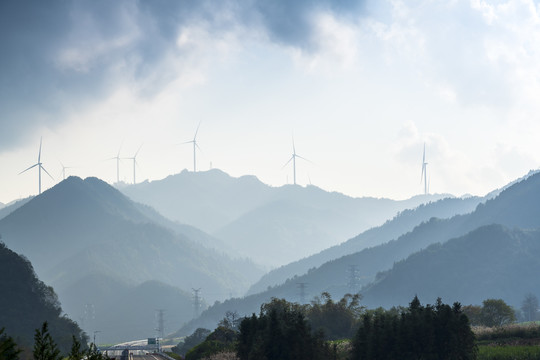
117,158
293,159
424,171
195,146
39,164
134,158
64,170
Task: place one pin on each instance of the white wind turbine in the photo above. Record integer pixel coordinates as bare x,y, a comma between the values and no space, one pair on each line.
117,158
134,158
293,159
195,146
39,164
424,171
64,170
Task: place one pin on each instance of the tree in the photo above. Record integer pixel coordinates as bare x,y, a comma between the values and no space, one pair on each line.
8,347
495,312
94,354
76,353
220,340
191,341
44,346
418,332
530,306
231,320
282,332
474,313
336,319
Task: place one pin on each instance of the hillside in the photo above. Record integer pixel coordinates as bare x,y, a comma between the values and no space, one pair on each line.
517,206
27,302
125,312
404,222
489,262
85,227
284,223
12,206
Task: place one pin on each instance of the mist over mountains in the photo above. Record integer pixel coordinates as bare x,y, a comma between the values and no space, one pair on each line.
271,225
477,247
84,228
491,262
404,222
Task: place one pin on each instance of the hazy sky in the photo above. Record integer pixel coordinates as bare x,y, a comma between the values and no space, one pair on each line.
361,85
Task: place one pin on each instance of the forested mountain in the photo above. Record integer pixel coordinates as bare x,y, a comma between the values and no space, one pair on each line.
81,228
489,262
517,206
273,225
26,302
404,222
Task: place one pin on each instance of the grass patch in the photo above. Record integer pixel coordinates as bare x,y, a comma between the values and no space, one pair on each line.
488,352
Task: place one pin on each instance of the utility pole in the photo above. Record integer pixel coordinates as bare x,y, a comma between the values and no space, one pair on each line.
196,301
302,286
95,332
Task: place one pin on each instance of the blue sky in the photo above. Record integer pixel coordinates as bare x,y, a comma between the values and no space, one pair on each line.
361,85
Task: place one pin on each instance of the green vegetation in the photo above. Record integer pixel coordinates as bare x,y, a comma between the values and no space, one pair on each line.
509,353
28,303
8,348
191,341
418,332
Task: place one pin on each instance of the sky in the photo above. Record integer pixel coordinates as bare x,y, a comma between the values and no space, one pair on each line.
361,86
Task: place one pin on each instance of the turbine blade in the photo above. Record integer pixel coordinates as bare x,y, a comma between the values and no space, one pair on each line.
39,154
198,147
187,142
293,149
120,148
28,168
303,158
139,149
46,172
287,163
196,131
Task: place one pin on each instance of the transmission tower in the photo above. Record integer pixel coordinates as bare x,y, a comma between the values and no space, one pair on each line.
89,315
196,302
353,279
160,323
302,286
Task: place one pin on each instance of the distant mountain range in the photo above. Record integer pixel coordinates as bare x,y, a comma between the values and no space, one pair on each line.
271,225
82,230
488,259
404,222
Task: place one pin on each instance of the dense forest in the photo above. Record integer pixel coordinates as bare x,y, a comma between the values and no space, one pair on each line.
27,302
284,330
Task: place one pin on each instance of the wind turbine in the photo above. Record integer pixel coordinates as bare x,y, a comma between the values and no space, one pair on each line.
134,158
39,164
293,159
117,157
64,170
195,146
424,171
